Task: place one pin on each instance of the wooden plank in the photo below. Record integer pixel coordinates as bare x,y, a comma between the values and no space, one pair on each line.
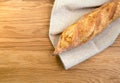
26,52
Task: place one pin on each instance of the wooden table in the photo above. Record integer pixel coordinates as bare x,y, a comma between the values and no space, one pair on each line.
26,52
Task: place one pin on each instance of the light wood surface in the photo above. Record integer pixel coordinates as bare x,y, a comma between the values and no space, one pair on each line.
26,52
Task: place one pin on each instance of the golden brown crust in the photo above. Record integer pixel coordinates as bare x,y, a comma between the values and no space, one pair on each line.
88,26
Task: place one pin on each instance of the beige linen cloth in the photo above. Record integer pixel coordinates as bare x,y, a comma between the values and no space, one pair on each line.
66,12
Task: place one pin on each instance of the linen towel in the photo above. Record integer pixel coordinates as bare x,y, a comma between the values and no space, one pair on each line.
66,12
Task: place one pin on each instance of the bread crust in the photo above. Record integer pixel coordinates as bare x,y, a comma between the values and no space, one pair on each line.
88,26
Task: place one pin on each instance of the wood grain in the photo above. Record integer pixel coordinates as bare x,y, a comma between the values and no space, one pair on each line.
26,52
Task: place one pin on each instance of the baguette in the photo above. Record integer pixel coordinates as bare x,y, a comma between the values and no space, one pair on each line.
88,26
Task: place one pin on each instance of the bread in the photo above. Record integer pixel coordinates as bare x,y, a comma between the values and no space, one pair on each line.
88,26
